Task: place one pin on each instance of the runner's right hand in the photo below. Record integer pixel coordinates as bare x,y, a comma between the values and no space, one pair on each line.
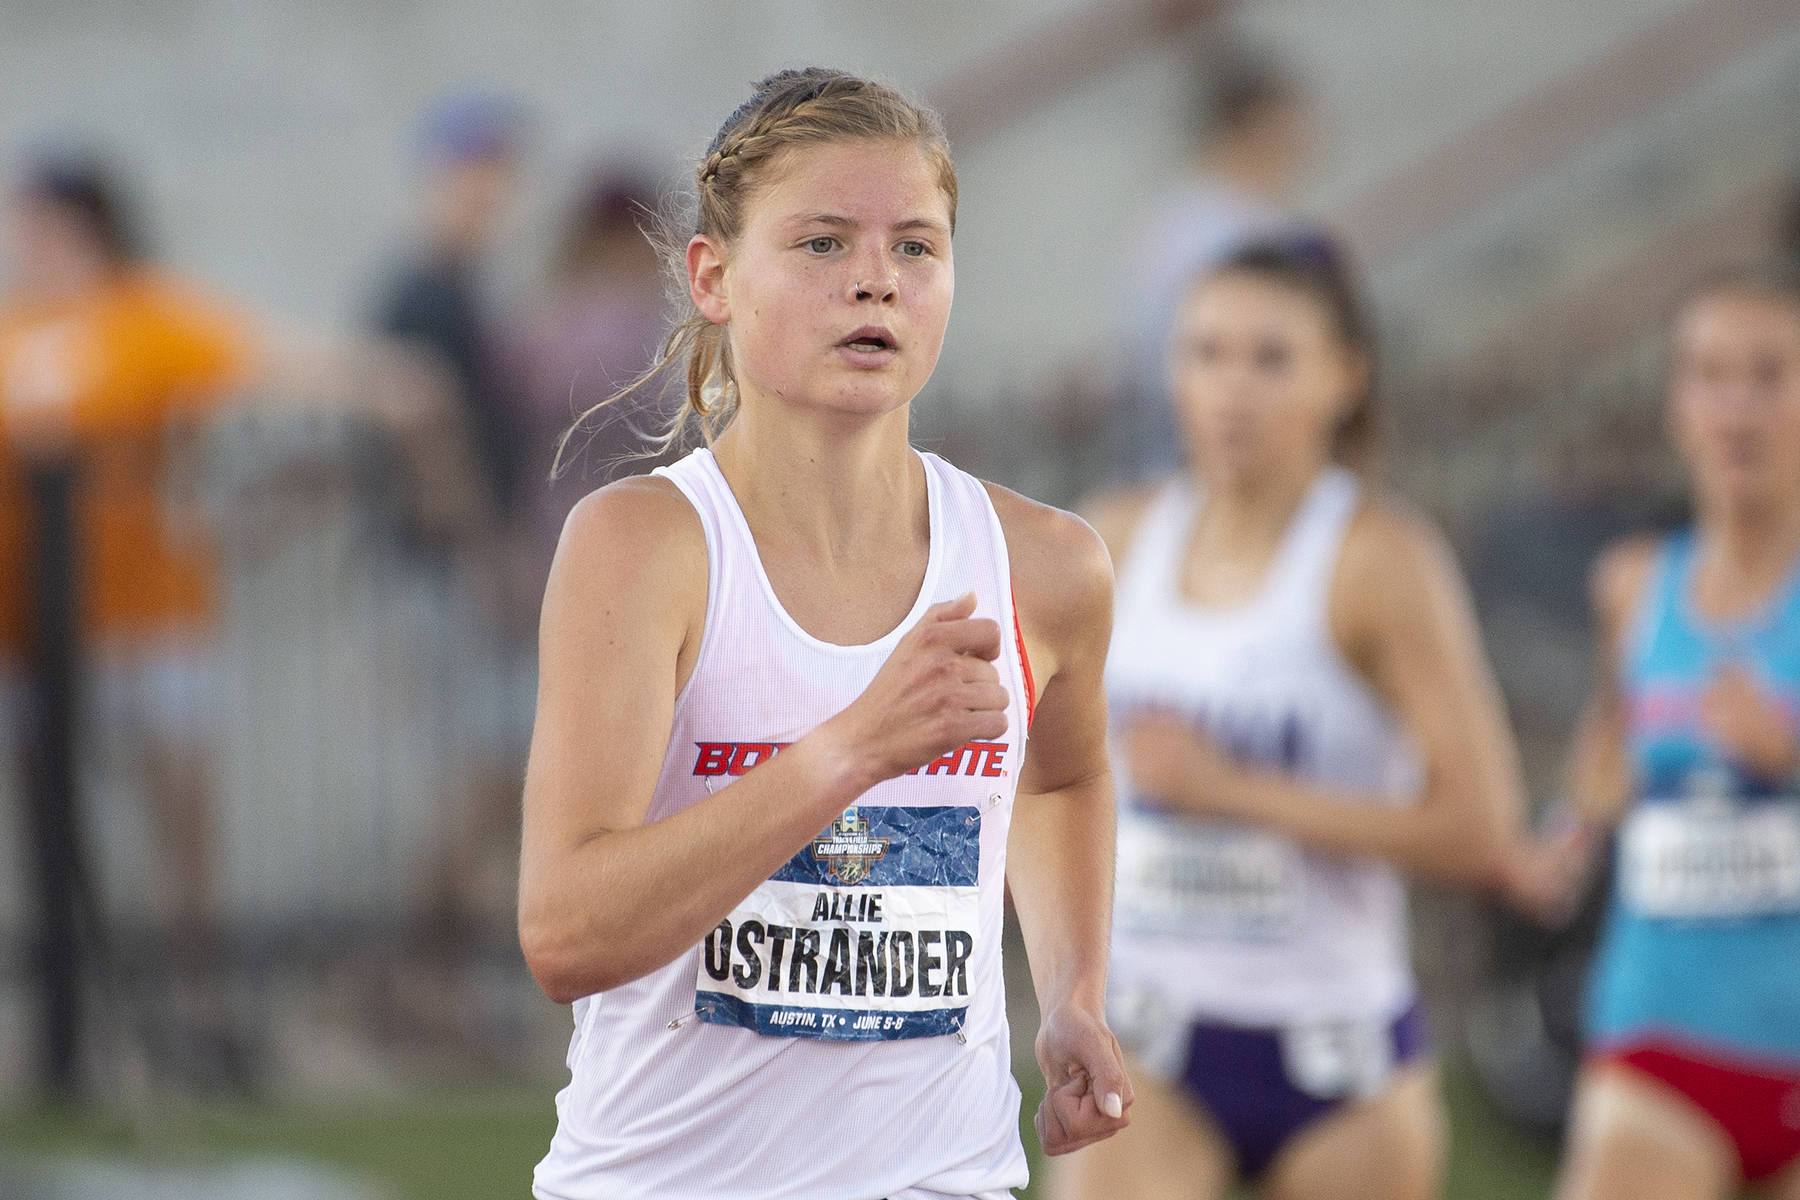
937,691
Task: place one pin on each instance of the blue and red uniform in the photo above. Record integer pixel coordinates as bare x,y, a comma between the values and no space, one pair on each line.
1697,982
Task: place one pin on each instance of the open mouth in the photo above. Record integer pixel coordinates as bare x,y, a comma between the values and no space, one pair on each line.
870,341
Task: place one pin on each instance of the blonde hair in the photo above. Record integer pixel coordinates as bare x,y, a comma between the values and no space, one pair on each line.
789,109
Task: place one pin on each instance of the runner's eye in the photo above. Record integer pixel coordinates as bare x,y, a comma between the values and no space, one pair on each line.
1204,350
823,244
914,249
1273,357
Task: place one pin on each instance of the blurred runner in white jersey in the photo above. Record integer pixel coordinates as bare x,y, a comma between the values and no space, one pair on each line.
1303,713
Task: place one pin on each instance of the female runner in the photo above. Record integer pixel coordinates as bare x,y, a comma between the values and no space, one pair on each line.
1691,745
778,776
1304,713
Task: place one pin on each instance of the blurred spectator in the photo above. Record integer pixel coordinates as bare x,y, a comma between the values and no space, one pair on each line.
1252,131
470,142
593,331
470,623
107,366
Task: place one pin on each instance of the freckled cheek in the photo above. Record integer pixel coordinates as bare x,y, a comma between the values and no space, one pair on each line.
792,318
929,310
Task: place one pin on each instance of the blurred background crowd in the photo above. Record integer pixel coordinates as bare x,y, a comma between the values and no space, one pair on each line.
297,302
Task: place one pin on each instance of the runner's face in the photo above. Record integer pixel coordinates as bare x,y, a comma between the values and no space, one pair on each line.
1735,398
1260,379
839,287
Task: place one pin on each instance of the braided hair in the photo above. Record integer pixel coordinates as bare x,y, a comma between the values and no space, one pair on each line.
788,110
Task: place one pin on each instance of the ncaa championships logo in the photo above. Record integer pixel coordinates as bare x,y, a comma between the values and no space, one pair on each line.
846,848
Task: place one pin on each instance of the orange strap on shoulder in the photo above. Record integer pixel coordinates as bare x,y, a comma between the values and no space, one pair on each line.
1025,665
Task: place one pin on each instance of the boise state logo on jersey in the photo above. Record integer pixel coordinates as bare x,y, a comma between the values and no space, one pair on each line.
846,848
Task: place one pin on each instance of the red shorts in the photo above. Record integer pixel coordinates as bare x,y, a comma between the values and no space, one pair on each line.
1757,1106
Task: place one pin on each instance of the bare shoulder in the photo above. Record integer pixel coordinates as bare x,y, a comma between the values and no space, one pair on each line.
1062,574
1115,515
1391,542
1619,577
1396,576
637,543
643,514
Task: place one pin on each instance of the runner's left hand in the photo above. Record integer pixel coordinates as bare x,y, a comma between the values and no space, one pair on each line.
1168,759
1543,874
1750,723
1088,1097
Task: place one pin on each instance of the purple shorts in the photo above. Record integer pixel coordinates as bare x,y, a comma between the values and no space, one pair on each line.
1263,1086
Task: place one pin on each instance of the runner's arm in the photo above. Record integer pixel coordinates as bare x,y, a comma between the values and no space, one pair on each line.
1549,869
1598,774
1060,852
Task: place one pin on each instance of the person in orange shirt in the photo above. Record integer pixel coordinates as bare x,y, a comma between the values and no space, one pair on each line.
105,363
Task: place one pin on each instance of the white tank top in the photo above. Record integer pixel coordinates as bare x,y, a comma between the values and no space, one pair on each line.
1217,921
842,1035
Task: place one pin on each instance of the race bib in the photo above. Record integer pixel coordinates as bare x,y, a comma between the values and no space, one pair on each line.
1331,1059
1179,878
1150,1029
868,934
1712,859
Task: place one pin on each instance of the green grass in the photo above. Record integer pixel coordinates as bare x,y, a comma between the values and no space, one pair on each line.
470,1144
1490,1159
481,1144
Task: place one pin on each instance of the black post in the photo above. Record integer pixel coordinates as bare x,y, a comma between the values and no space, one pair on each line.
50,792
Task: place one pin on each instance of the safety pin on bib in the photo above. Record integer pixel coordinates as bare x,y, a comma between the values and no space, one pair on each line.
683,1019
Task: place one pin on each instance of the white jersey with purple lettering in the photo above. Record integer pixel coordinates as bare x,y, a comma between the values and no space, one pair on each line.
842,1034
1226,922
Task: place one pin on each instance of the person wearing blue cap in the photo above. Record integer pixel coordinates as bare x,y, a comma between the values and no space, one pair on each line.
469,143
457,543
